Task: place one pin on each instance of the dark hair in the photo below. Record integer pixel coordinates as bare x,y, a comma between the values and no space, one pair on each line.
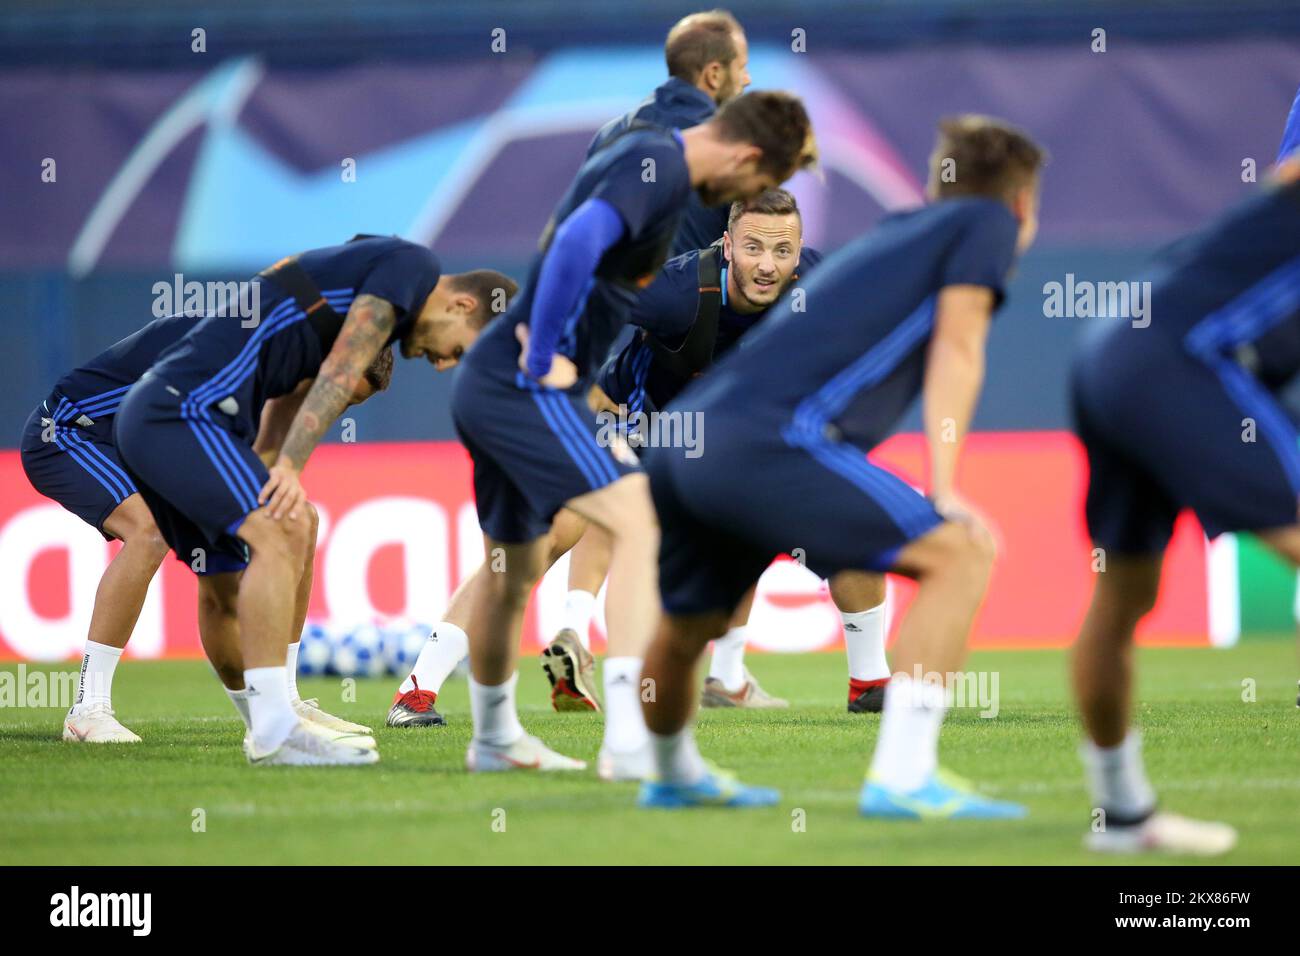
492,289
699,39
380,372
770,202
989,157
776,123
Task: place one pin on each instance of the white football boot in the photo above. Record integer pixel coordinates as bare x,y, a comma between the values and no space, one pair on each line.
630,765
95,724
310,710
305,747
526,753
1165,833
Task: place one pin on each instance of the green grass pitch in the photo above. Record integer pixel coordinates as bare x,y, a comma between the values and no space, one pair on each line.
1210,753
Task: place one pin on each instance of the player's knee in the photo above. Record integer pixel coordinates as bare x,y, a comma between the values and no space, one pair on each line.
282,540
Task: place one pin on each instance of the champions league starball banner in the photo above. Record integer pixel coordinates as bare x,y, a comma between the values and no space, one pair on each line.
398,532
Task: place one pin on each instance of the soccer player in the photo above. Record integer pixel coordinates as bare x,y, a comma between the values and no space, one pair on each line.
186,433
1180,412
69,456
902,310
691,315
520,405
708,58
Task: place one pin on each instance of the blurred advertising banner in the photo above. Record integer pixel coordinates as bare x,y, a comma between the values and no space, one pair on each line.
398,533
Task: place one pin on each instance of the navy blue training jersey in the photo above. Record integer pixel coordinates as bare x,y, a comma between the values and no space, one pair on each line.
667,308
854,358
650,212
96,388
675,104
1197,298
219,357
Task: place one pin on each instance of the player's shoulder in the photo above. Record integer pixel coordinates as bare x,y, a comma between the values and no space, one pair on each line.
809,258
642,141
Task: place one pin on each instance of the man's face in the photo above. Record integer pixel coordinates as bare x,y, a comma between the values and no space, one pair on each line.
763,253
443,332
737,75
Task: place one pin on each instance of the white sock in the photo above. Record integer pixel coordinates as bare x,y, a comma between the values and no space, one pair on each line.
677,759
98,662
291,668
270,715
445,648
240,699
864,642
625,729
907,750
496,721
728,661
1116,777
579,609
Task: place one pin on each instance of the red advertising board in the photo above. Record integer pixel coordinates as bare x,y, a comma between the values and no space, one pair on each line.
398,532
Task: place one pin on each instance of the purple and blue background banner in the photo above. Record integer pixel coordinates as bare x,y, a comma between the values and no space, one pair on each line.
218,168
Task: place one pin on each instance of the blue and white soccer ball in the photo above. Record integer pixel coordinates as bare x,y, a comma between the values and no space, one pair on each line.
360,653
315,650
403,642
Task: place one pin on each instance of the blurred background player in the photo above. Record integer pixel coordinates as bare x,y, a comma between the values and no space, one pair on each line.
186,432
903,310
1181,413
69,456
707,56
690,316
520,406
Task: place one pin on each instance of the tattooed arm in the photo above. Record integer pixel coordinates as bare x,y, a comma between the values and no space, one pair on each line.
277,418
369,322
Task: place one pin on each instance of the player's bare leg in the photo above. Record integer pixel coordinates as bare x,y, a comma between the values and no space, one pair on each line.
682,778
588,566
860,598
310,710
624,510
729,683
567,660
118,601
1124,815
278,549
951,565
498,601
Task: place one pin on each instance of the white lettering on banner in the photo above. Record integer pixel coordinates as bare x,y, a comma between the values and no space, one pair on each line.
23,538
419,526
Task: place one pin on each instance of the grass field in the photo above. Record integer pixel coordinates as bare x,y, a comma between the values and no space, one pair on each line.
1209,752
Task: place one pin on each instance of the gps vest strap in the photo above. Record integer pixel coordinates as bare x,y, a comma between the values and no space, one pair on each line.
695,353
293,279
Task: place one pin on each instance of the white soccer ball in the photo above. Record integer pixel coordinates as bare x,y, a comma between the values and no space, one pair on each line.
315,649
360,653
403,642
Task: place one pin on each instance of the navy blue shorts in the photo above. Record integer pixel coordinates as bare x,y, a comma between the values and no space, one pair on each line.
752,495
1165,430
77,467
198,477
534,449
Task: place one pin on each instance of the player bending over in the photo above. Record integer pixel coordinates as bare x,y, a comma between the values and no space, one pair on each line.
690,316
1161,410
520,405
68,453
186,433
904,309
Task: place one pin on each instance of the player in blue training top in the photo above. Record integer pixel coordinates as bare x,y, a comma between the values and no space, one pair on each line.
903,310
186,432
692,315
69,456
1180,411
520,403
708,64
